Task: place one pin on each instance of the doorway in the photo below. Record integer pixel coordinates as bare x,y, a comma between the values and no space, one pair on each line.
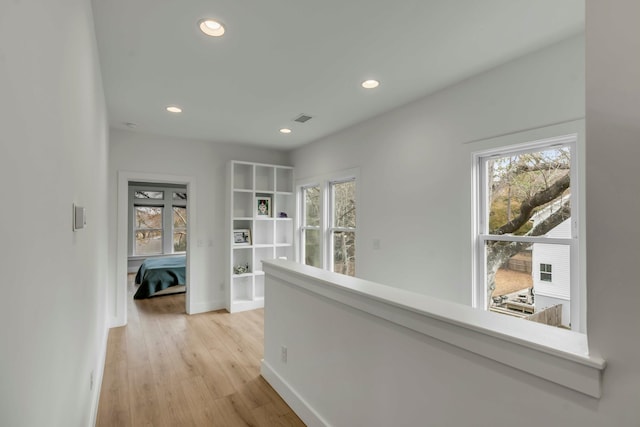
118,298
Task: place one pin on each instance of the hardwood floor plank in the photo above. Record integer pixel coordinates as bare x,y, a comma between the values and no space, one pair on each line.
169,369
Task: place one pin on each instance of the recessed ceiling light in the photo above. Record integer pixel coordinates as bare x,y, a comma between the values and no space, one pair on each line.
285,130
174,109
211,27
370,84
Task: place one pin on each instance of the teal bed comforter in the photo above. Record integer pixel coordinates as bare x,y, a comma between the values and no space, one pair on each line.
156,274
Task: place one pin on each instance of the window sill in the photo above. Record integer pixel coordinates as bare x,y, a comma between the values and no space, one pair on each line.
143,257
557,355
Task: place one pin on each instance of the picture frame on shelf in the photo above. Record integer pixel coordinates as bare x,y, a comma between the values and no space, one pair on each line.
263,207
242,237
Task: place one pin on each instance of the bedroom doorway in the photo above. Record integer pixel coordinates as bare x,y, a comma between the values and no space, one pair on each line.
125,217
157,239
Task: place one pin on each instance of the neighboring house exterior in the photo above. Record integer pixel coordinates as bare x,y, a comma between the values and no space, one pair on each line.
551,269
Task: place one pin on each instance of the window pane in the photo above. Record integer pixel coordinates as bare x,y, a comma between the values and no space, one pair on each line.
148,217
529,193
515,283
312,206
344,252
179,196
156,195
312,255
179,217
344,204
148,242
179,240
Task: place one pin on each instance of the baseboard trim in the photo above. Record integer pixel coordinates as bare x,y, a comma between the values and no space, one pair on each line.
99,374
302,409
203,307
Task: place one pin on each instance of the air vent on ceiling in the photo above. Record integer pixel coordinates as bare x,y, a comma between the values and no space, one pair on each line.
302,118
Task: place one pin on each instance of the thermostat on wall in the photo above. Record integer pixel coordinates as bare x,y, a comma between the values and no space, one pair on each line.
79,217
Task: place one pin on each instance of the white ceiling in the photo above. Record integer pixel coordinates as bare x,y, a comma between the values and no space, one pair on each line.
281,58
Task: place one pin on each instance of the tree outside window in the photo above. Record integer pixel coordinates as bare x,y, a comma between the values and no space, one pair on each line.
525,208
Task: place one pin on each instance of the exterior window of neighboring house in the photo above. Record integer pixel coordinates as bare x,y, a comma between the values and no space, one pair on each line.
526,214
545,272
327,227
159,220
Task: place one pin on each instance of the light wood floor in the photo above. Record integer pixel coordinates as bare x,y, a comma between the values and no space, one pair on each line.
169,369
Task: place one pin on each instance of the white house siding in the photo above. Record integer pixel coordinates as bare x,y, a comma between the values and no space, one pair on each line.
558,290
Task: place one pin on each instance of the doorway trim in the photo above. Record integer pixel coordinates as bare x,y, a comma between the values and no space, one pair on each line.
124,177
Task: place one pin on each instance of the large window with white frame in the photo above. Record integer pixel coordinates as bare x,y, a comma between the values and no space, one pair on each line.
526,228
310,231
327,226
342,226
158,220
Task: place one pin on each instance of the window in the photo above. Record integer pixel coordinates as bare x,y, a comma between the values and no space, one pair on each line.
342,233
526,215
310,230
179,229
156,195
545,272
148,230
159,219
327,229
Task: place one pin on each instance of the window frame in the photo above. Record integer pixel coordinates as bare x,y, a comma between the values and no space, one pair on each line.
544,271
167,203
326,228
480,206
332,228
304,227
136,229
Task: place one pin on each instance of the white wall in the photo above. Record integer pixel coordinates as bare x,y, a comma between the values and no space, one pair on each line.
415,165
352,361
206,161
613,202
53,136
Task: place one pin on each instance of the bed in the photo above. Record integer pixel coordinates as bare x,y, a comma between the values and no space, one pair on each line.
158,274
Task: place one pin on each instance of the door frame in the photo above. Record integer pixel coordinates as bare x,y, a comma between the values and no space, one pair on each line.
124,177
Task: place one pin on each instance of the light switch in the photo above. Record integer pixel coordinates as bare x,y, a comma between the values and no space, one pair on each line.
79,217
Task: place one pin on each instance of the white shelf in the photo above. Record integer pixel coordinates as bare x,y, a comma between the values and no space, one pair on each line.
271,237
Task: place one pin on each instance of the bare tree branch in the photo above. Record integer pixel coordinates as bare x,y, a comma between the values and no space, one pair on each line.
540,198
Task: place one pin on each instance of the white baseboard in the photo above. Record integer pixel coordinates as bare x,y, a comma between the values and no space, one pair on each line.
204,306
116,322
98,375
302,409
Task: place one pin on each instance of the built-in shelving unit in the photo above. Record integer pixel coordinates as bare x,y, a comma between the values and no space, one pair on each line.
270,234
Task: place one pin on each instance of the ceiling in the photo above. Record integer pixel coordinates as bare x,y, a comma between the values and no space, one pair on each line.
281,58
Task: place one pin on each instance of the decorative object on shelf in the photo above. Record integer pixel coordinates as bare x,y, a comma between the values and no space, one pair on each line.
241,268
283,215
263,206
242,237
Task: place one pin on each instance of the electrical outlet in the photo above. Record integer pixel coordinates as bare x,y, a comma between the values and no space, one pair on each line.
91,381
283,354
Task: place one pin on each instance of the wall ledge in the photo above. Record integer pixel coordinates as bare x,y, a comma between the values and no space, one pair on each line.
554,354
